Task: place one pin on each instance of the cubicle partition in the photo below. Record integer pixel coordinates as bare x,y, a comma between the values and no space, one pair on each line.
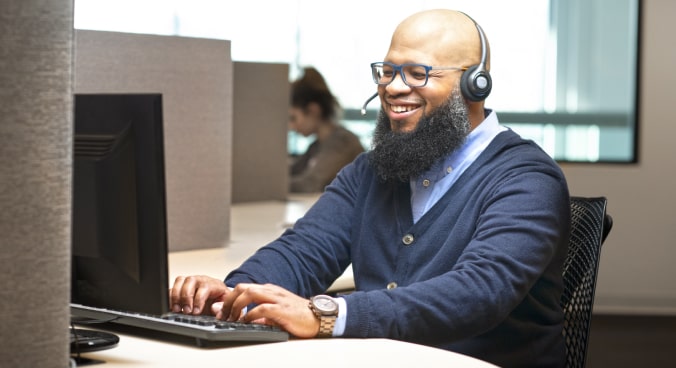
195,79
260,125
35,181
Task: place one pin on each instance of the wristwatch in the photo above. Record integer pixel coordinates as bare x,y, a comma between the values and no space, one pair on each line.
325,309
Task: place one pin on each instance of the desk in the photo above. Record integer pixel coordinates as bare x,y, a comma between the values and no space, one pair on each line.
254,225
327,353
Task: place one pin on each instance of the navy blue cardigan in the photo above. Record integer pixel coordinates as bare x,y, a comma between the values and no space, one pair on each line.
479,273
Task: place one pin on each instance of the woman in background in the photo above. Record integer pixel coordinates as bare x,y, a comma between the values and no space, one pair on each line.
314,110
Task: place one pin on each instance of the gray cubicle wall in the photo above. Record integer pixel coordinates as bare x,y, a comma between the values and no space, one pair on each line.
35,181
195,78
260,124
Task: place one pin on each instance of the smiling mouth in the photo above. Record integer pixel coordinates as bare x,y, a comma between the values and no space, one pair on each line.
403,108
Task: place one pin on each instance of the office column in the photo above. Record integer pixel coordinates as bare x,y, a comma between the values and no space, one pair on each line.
35,181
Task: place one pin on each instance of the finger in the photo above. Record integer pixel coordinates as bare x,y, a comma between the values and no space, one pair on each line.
273,307
276,306
236,301
208,291
200,298
264,321
187,294
263,314
228,310
216,308
254,293
175,295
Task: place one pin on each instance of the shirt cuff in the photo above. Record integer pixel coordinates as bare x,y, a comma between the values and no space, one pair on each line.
339,327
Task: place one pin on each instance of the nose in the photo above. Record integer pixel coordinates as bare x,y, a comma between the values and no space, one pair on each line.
397,86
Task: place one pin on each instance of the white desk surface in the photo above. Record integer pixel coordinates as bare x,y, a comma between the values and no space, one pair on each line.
338,353
254,225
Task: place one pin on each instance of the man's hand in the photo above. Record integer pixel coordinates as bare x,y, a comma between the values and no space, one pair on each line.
197,295
274,306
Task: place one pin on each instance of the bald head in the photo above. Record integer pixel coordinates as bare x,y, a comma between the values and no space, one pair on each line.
437,37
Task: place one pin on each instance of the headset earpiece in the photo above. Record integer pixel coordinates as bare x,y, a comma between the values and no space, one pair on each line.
475,83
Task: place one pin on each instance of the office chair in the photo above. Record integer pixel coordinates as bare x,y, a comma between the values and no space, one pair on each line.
590,225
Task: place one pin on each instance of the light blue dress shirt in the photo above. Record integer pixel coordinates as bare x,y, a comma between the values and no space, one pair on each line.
429,187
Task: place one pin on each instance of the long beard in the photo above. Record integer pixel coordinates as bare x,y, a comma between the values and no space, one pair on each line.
398,156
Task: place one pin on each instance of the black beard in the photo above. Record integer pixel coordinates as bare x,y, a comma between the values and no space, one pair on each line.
400,156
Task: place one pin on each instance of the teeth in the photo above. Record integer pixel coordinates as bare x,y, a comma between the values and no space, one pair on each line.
398,108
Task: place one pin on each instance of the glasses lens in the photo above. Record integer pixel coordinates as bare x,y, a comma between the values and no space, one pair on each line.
382,73
415,75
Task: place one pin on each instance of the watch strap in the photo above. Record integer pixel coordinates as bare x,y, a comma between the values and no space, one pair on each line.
326,325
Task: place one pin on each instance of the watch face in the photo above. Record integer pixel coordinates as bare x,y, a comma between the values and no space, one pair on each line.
325,304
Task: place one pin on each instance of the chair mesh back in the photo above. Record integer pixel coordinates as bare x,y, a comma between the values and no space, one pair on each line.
579,274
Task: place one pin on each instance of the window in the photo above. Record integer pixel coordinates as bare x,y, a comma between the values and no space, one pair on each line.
564,71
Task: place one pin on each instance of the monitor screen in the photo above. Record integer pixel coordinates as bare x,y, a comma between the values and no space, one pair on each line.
119,237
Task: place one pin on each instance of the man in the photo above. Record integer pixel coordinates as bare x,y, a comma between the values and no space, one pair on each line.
456,227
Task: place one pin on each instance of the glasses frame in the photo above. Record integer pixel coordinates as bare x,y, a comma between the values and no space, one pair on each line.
399,67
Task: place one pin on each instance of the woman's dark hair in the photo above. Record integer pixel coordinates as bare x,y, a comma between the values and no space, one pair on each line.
311,87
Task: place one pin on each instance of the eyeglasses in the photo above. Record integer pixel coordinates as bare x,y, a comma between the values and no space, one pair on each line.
414,75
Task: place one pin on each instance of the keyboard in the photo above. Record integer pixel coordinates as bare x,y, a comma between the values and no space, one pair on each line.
205,330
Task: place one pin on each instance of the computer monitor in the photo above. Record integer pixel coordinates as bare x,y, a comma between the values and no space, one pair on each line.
119,227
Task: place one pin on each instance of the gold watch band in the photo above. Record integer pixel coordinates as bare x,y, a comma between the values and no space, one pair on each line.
326,325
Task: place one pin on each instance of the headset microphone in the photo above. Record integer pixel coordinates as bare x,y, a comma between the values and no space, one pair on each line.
363,108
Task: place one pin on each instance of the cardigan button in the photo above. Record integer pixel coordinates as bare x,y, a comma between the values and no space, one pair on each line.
391,285
408,239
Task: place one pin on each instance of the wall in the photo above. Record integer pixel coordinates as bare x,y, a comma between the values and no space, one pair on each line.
637,270
195,78
35,181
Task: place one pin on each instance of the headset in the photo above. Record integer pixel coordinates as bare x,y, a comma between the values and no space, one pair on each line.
476,83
